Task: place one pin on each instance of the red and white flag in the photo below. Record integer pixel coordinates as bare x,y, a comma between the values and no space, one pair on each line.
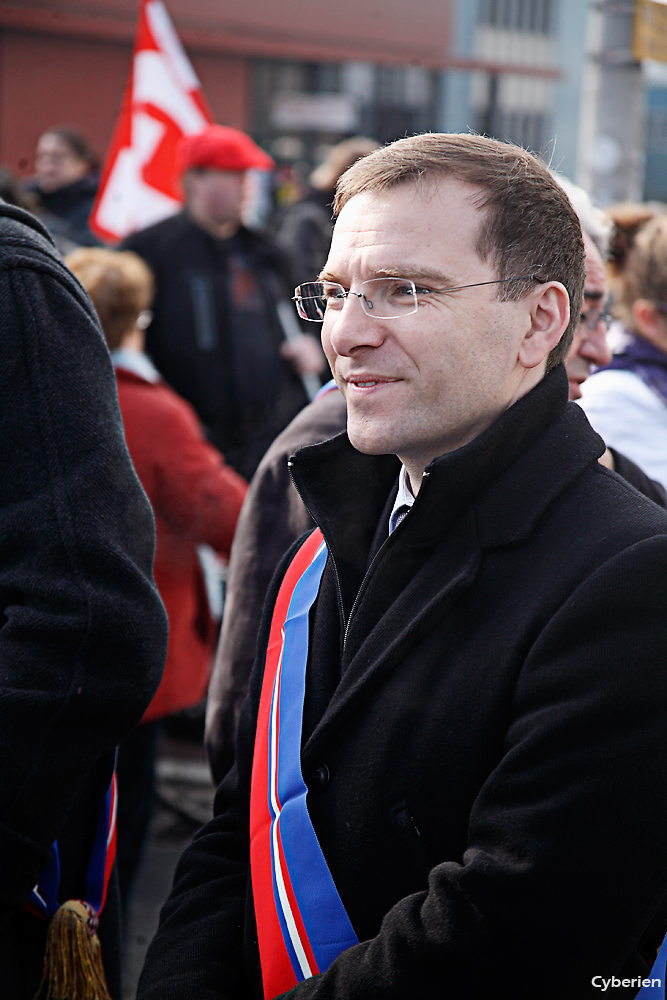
163,102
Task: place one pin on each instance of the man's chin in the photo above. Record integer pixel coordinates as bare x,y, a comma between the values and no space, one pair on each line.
369,445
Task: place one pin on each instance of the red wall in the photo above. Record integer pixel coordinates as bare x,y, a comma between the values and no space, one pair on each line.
66,61
48,80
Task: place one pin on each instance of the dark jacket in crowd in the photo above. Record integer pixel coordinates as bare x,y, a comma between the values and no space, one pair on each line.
304,231
66,211
626,468
484,744
83,634
216,336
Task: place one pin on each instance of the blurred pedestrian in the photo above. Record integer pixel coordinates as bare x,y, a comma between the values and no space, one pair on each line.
196,499
305,228
590,347
14,193
65,182
83,638
217,336
626,400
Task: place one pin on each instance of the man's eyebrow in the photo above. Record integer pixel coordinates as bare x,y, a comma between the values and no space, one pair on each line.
417,274
594,295
413,273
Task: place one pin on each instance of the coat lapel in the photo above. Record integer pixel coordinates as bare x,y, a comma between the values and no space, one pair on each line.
404,605
491,492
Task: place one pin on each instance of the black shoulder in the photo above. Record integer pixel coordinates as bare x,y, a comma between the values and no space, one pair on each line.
157,239
19,228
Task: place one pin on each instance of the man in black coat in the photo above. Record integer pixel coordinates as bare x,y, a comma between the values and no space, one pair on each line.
216,334
482,737
83,634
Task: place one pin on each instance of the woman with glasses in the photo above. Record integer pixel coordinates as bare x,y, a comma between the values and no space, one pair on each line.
626,401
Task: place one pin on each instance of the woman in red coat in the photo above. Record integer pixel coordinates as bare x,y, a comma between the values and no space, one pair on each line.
196,500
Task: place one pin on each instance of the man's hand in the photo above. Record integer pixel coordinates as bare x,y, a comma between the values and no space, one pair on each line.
304,354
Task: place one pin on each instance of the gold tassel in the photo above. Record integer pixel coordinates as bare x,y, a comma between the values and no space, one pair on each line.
73,967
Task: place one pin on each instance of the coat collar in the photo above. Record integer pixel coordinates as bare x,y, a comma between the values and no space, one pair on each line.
508,474
491,492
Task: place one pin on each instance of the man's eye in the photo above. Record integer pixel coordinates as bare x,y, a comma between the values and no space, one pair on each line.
332,292
399,289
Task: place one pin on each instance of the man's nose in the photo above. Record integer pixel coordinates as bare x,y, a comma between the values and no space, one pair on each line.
594,346
349,328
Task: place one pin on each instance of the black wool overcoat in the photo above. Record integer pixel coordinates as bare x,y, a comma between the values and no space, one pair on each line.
82,629
484,732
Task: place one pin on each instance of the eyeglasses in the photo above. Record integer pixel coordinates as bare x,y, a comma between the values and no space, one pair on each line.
592,317
380,298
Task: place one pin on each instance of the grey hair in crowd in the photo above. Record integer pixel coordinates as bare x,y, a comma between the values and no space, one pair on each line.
595,223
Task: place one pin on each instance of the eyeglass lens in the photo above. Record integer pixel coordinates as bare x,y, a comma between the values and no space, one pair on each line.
383,298
592,317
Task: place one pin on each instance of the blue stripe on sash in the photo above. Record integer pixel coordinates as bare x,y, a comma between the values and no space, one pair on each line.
658,972
287,935
326,923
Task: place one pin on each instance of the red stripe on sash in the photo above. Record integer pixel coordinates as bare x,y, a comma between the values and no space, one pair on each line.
277,973
111,838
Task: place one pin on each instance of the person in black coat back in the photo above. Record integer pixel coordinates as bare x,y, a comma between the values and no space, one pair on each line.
83,634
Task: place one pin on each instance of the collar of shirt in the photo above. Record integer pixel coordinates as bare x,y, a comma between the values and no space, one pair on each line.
136,362
404,500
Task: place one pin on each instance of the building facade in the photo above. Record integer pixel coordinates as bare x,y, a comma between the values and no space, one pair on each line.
296,75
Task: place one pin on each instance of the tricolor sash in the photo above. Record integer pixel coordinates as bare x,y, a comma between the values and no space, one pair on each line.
656,977
72,957
302,925
44,897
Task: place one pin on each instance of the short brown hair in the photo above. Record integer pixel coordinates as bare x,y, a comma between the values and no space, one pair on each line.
120,285
530,226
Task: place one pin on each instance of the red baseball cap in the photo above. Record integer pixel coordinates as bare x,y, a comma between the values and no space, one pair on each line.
221,148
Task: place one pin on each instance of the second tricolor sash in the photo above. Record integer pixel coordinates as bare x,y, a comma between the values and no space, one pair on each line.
302,925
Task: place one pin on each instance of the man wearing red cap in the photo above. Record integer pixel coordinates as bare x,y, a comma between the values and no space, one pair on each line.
216,335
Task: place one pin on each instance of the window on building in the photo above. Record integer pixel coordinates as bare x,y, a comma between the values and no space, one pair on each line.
300,108
537,16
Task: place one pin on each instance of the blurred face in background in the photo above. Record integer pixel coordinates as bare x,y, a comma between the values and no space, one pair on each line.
589,346
215,198
57,164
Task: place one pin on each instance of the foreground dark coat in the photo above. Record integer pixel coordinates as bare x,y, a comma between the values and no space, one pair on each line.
83,633
273,517
486,750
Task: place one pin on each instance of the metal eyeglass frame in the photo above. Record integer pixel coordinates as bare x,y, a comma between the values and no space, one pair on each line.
365,302
601,317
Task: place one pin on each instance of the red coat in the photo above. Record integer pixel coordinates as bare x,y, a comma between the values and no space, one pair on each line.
196,499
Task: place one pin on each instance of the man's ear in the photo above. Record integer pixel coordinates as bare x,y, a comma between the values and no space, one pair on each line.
549,314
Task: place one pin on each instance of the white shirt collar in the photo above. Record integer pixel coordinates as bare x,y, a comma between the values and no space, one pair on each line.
404,498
